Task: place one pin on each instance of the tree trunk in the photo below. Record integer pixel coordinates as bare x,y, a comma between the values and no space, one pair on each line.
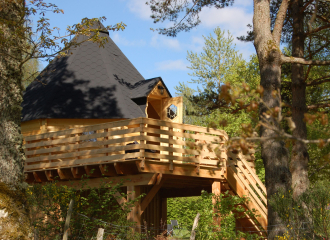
273,152
299,157
14,219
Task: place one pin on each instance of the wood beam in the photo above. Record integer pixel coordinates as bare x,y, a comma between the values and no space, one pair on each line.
93,171
51,175
78,172
151,194
180,169
65,173
118,168
40,176
126,168
135,215
120,199
108,170
141,179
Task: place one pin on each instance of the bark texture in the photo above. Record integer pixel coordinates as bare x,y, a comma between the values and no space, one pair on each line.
14,219
299,157
274,153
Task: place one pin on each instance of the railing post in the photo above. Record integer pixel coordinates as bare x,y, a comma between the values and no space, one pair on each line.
106,139
199,157
170,153
142,142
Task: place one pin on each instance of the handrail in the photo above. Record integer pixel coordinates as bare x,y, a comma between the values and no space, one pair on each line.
109,142
243,173
145,139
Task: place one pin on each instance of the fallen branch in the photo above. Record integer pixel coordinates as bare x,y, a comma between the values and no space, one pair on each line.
193,232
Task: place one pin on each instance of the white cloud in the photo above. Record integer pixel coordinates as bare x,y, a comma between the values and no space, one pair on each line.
123,41
140,8
171,65
233,19
159,41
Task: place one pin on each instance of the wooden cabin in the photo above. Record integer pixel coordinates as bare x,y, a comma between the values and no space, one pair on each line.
93,113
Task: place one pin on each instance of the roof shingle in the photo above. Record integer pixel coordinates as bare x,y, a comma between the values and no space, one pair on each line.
92,82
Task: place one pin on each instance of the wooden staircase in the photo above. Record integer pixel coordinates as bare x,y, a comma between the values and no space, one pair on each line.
139,149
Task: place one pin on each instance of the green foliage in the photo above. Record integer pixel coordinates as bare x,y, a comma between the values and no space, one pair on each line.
308,216
93,208
227,207
185,209
319,167
218,64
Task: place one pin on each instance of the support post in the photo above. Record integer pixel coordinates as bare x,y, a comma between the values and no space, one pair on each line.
216,189
135,215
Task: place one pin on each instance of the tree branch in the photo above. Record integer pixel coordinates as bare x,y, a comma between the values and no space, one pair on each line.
319,81
277,31
306,5
303,61
313,17
317,29
315,106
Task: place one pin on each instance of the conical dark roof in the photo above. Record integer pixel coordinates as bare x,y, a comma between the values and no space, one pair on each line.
92,82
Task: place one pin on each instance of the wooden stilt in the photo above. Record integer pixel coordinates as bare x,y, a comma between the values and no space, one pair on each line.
216,189
135,215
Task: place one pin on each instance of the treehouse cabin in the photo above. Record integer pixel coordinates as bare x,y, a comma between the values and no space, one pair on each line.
93,113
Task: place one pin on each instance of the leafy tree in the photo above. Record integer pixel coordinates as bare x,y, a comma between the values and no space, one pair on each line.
18,44
268,21
219,63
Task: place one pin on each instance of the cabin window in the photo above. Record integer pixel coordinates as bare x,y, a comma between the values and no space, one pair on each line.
172,111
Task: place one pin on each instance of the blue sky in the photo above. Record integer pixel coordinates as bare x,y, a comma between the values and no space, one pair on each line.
152,54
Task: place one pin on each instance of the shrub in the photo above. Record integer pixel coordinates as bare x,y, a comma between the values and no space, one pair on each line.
307,217
93,208
228,209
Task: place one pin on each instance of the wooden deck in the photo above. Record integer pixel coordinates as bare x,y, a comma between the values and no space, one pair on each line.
141,150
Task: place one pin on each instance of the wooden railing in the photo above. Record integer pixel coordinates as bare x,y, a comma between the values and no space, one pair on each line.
140,138
147,139
251,186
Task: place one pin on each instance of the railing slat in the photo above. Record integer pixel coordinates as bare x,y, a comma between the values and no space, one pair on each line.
81,145
82,153
186,127
82,162
83,137
85,129
184,135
